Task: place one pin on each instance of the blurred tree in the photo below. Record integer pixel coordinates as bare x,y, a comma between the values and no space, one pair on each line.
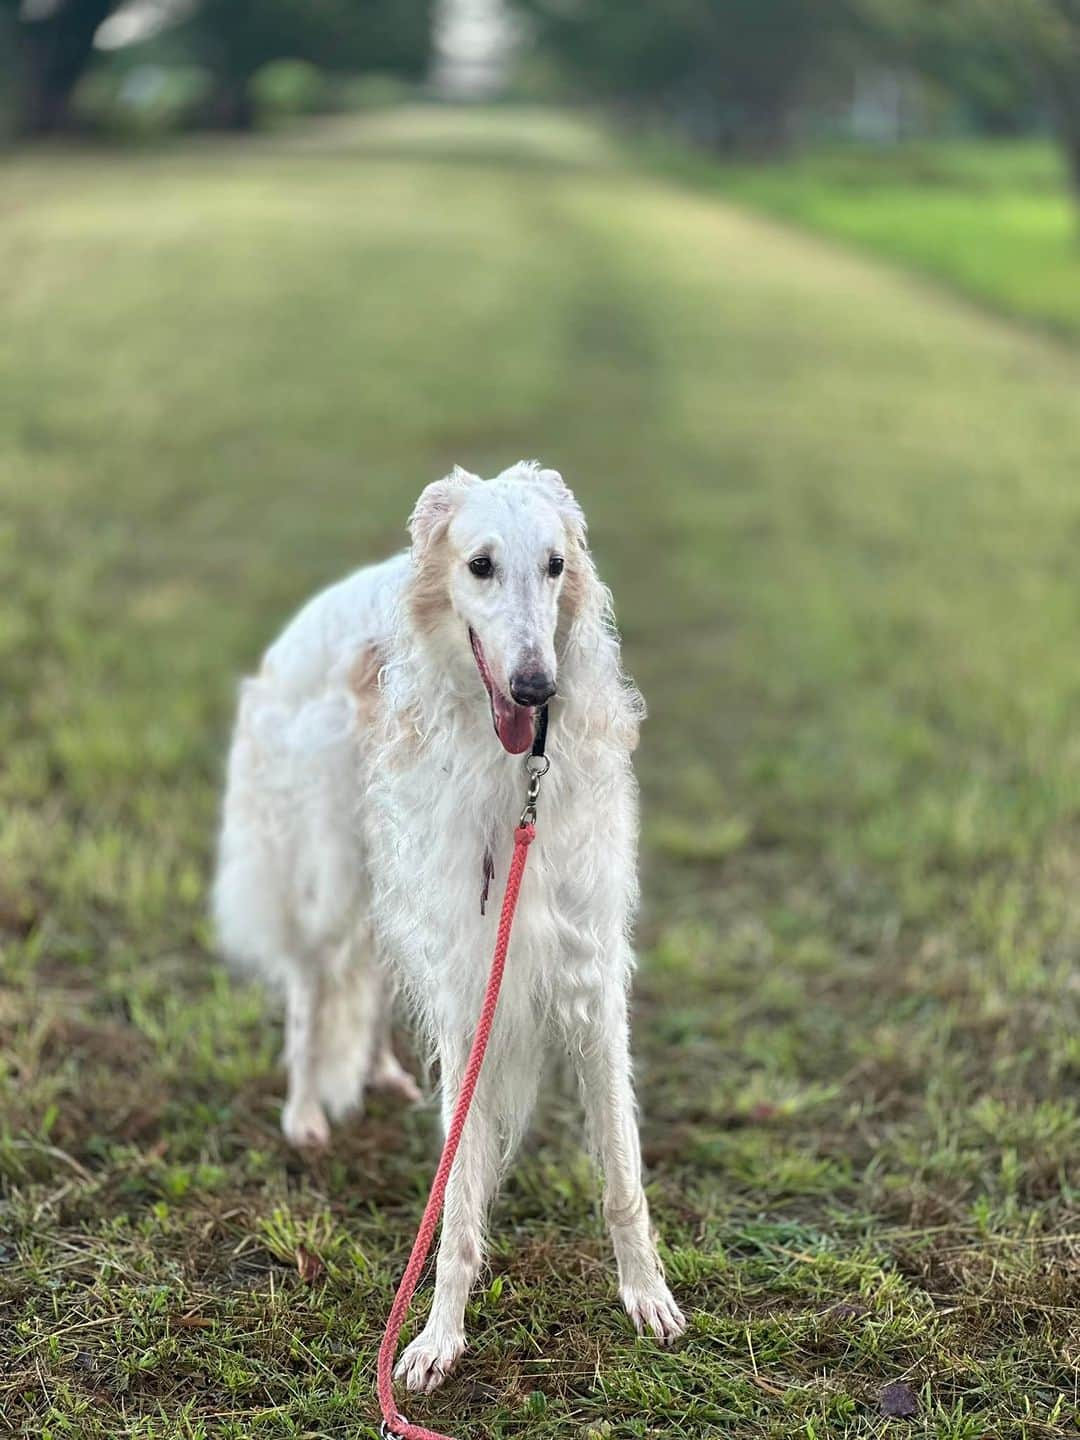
53,41
1047,32
739,72
1002,54
733,71
235,38
949,43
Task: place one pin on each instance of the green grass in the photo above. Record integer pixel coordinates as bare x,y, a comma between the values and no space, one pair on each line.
997,221
840,515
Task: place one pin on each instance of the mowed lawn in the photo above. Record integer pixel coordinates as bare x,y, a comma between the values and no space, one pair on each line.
841,517
996,220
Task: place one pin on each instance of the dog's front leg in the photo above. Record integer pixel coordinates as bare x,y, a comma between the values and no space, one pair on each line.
602,1057
427,1360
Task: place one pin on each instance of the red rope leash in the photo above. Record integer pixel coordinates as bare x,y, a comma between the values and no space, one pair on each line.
393,1421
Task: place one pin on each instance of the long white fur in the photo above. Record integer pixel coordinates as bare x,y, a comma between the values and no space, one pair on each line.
365,785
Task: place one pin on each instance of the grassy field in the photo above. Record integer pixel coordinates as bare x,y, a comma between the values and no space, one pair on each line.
995,220
840,514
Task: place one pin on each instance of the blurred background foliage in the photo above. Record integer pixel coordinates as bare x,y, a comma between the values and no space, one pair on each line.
752,76
760,75
226,64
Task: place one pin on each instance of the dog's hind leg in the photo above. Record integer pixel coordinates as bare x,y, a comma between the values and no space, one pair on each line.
602,1058
303,1119
333,1014
389,1074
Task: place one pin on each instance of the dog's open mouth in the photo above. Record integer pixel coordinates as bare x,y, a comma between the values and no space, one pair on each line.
514,724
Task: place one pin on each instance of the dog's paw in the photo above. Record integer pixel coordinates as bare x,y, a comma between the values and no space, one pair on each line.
305,1125
655,1311
390,1076
428,1360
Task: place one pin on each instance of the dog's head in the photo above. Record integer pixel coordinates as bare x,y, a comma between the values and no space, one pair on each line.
497,565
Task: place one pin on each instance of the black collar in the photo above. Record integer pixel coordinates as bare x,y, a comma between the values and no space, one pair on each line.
541,732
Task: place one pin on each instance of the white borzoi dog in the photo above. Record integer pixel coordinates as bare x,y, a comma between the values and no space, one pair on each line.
368,803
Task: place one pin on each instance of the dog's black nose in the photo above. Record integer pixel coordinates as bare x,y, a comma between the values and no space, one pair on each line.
532,687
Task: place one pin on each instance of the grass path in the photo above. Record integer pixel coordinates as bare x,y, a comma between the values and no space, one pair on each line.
840,516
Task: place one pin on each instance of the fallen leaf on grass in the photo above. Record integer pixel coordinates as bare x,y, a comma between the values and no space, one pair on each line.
763,1111
308,1266
897,1401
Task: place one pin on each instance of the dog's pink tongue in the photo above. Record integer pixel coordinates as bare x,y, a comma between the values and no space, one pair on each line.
514,724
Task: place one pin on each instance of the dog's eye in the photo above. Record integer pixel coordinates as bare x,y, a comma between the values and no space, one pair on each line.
481,567
555,566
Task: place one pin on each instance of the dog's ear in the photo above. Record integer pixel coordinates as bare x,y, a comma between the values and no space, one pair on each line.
563,496
435,507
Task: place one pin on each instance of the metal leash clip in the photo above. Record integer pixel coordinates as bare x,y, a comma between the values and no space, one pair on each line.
536,767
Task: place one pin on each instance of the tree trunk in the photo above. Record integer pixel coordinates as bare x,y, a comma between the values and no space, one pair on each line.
1069,130
1063,85
53,53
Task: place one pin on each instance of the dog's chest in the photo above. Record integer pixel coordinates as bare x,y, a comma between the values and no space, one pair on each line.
441,850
